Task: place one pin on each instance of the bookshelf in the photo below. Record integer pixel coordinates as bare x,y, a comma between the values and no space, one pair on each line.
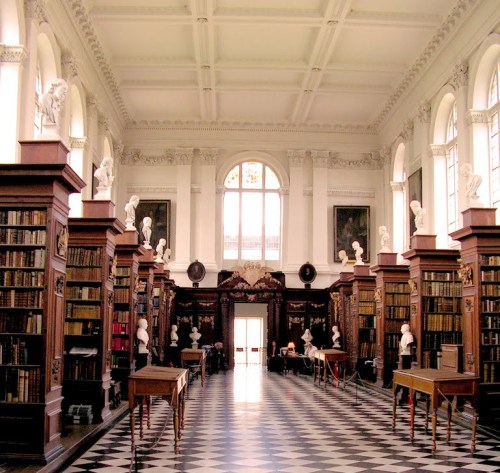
392,297
127,253
435,299
89,312
480,272
340,296
160,315
33,230
147,266
363,318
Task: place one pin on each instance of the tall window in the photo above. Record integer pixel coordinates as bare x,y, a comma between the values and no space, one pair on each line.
494,107
252,213
452,168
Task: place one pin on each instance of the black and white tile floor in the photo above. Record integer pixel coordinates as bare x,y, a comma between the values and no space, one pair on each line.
252,421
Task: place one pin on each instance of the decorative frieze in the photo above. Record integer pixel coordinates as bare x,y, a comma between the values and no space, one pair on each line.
364,193
142,190
135,157
407,131
69,65
460,76
424,112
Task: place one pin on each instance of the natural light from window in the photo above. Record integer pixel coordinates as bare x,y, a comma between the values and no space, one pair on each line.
252,213
494,106
452,168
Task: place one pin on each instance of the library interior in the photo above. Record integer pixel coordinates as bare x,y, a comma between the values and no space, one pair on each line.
249,235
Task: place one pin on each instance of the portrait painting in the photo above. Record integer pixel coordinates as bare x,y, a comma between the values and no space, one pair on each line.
159,211
351,223
414,193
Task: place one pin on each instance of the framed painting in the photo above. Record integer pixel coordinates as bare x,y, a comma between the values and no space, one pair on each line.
351,223
414,193
159,211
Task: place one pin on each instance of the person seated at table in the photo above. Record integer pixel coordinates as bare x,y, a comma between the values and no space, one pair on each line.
310,350
274,362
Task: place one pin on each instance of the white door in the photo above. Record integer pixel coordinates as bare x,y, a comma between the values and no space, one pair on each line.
248,336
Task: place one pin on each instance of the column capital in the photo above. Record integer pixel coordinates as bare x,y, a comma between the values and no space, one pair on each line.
296,157
35,9
320,158
13,53
460,75
476,116
424,112
438,150
208,156
397,186
407,131
184,156
78,142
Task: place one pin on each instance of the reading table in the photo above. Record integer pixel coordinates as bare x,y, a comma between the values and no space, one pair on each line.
170,383
322,360
438,385
197,355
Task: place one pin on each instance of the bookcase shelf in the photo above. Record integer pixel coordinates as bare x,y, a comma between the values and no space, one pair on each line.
33,224
480,271
392,296
340,292
147,267
89,315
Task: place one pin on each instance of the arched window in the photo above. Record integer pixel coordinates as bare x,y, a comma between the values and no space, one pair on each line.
252,213
494,107
38,109
452,168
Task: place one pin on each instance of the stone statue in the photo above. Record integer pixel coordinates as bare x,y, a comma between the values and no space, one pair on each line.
406,340
419,213
384,239
343,257
142,336
104,174
166,256
130,207
336,336
358,251
146,232
52,102
173,336
473,181
194,336
160,248
307,336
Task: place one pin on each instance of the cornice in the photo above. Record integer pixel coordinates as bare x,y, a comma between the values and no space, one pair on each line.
138,190
367,193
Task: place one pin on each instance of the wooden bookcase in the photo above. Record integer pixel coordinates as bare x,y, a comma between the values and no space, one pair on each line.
435,298
340,295
147,267
480,272
127,253
88,322
160,324
33,243
392,297
362,319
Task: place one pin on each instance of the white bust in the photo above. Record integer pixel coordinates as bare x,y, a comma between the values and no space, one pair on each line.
406,340
104,174
419,213
307,336
472,182
343,257
358,251
194,336
336,336
130,207
146,232
142,336
384,239
160,248
173,336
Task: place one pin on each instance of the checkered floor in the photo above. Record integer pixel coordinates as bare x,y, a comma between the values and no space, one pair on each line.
253,421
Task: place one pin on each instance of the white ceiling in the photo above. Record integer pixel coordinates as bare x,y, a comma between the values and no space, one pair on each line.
290,62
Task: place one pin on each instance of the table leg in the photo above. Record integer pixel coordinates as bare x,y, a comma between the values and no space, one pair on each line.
344,372
427,403
411,400
203,373
132,428
325,372
148,411
394,404
434,402
448,428
473,438
141,418
176,429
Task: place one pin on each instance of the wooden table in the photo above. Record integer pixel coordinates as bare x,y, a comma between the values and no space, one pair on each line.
322,360
195,354
438,385
170,383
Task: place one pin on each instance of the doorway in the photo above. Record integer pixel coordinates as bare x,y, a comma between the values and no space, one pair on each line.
249,327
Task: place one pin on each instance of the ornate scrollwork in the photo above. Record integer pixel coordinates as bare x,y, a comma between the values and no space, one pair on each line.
465,273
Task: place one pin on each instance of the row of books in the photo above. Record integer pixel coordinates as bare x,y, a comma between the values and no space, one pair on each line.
397,299
14,351
121,316
21,323
122,295
366,322
20,236
120,328
392,340
26,258
366,295
368,336
366,308
84,256
399,287
120,361
90,327
17,298
394,326
440,275
490,338
491,373
445,289
83,311
490,305
434,340
120,344
20,385
80,368
367,350
392,312
442,304
83,274
122,271
490,289
23,217
491,354
442,323
20,277
490,275
489,260
83,292
491,322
